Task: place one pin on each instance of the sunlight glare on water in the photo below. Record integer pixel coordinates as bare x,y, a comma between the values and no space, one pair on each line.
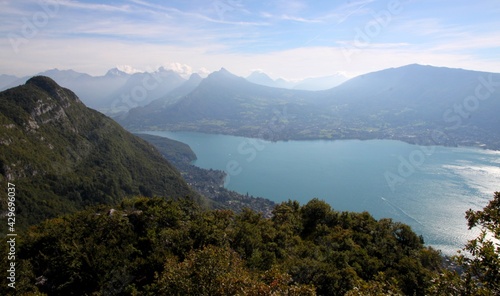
350,175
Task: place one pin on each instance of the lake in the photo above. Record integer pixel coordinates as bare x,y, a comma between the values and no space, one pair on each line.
427,187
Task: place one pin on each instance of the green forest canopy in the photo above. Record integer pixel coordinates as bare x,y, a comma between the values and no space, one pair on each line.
153,246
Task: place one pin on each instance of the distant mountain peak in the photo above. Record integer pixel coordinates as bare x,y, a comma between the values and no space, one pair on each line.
259,74
261,78
195,77
67,74
116,72
56,70
223,73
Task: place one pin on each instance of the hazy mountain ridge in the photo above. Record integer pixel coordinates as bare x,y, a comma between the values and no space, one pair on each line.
114,92
142,88
262,78
311,83
63,156
7,81
169,99
414,103
118,91
411,103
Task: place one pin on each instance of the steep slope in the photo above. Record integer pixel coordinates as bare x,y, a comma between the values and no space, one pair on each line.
164,102
141,89
62,155
224,103
7,81
174,151
97,92
115,92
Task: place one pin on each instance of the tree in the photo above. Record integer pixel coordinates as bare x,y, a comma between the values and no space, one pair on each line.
485,249
221,271
315,212
480,272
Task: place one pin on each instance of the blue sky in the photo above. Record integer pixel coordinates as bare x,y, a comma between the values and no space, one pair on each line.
293,39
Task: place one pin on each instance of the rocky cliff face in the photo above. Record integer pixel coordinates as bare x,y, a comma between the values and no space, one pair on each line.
63,155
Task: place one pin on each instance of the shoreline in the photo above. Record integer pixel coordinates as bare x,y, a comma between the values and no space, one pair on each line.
404,139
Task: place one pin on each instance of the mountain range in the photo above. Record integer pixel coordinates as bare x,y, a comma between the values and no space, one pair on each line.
112,93
222,102
117,92
415,103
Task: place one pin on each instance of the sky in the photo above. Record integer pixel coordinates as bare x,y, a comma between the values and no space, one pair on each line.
292,39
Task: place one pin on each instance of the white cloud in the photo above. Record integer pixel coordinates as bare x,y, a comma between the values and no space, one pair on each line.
96,56
92,6
128,69
299,19
478,41
181,69
203,72
345,11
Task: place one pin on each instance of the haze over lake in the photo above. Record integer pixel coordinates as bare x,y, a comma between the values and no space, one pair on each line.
429,188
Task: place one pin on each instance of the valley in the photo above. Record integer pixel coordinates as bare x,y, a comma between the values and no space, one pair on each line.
78,167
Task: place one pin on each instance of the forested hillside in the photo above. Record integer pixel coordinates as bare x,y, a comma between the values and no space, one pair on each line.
63,156
153,246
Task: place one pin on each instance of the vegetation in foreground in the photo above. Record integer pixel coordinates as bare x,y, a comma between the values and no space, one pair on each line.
153,246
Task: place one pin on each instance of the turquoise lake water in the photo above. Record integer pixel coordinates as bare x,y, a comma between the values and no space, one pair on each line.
429,188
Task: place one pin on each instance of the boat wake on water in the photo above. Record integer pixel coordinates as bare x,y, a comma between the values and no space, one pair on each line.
399,209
